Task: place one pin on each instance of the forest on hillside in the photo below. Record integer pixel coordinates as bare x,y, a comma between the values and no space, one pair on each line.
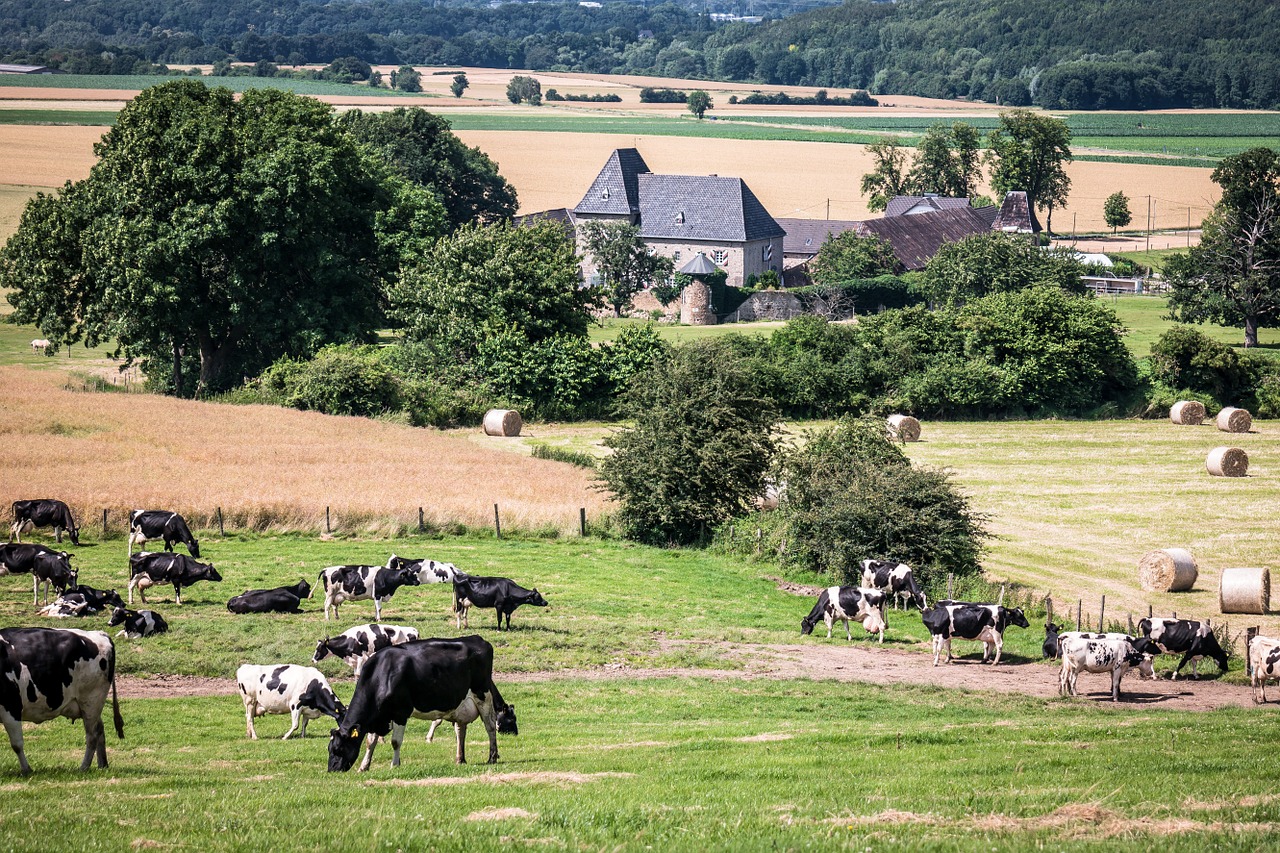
1092,54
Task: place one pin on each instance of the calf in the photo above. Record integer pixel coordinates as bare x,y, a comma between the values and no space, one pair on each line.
147,569
1193,640
81,601
846,603
426,679
1051,640
1111,654
896,579
984,622
300,691
502,594
429,571
51,569
161,524
43,512
53,672
137,623
282,599
355,645
1264,663
361,583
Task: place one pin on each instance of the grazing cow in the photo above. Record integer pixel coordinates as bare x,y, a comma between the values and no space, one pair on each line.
147,524
894,578
355,645
427,679
1193,640
1264,663
1112,654
984,622
429,571
43,512
147,569
361,583
81,600
846,603
57,672
282,599
51,569
137,623
502,594
301,691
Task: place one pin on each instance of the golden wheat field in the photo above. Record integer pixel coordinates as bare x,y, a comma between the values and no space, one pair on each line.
265,465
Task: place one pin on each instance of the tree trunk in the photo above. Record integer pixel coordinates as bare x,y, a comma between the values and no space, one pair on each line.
213,362
1250,331
177,368
1048,222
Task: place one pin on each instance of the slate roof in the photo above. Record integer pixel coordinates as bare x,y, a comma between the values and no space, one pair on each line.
916,239
615,191
562,216
697,208
900,204
1016,215
699,264
806,236
988,214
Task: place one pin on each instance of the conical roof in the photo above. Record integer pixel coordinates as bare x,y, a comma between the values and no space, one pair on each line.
698,265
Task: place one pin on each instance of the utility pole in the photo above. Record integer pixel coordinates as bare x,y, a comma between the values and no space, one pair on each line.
1188,226
1148,223
828,208
1073,228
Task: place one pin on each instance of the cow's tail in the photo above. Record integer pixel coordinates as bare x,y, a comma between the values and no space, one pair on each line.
807,623
115,700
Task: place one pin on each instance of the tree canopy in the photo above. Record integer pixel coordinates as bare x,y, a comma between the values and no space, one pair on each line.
848,256
698,103
623,260
1115,210
888,178
1029,152
996,263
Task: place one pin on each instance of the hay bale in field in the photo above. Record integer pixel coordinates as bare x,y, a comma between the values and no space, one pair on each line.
1227,462
904,427
1187,413
1244,591
1232,419
504,422
1167,570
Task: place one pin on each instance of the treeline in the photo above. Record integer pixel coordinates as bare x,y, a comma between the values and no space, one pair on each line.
1096,54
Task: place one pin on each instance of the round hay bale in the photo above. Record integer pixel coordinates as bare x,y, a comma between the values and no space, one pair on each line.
1232,419
1227,462
904,427
1187,412
504,422
1167,570
1244,591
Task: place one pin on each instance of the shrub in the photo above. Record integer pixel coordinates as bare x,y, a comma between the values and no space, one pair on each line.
996,263
560,454
1184,357
340,380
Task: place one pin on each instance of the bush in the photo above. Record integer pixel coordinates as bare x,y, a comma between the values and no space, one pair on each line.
650,95
560,454
340,380
996,263
1184,357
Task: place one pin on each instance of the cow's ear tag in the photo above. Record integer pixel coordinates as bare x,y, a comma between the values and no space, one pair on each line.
355,733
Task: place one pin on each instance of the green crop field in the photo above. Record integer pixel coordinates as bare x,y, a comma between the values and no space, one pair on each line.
91,118
238,84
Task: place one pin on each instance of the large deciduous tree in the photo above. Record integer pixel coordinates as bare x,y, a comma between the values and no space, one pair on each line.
215,235
1029,152
1233,277
888,178
625,264
996,263
947,161
422,147
848,256
1115,210
698,103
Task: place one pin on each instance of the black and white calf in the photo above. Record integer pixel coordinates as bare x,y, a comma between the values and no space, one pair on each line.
161,524
148,569
983,622
1264,664
502,594
81,600
43,512
300,691
427,679
53,672
847,603
429,571
1113,654
137,623
355,645
282,599
51,570
894,578
362,583
1189,638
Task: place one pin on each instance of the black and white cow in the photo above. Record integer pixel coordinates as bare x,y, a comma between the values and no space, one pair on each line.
355,645
429,571
81,600
18,559
502,594
54,672
362,583
282,599
148,569
427,679
1115,654
300,691
137,623
1189,638
161,524
51,570
847,603
896,579
1264,664
43,512
983,622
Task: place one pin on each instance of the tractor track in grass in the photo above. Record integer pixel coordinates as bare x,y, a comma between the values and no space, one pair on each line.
832,660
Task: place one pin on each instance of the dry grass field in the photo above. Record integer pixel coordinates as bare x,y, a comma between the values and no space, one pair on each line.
265,465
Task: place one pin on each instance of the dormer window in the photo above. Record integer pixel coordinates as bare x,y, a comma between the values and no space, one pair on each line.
604,194
680,218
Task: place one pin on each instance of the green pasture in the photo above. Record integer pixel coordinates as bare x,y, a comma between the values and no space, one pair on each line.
237,84
672,764
53,116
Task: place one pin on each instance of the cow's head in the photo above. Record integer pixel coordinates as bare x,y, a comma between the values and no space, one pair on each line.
112,598
1210,647
207,572
1015,616
507,721
117,617
344,746
536,599
806,625
405,576
322,651
302,589
194,546
395,562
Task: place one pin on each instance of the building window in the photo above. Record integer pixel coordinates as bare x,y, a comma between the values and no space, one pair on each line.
680,218
604,194
720,256
676,256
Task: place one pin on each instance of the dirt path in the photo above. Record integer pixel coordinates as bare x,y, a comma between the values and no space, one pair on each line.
836,661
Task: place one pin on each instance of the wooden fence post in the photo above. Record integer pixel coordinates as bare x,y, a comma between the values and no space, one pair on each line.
221,530
1102,612
582,520
327,527
1048,610
421,525
1079,608
951,581
497,524
104,524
